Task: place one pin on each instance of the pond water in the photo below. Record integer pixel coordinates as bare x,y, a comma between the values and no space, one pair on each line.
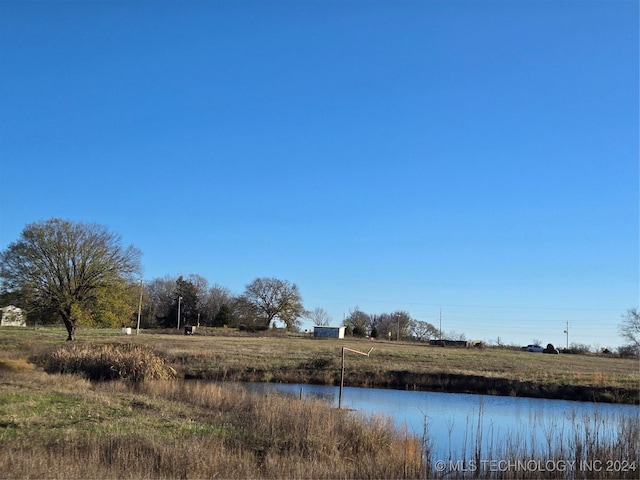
455,424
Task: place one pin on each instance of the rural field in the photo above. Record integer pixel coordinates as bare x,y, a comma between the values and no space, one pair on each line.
160,426
227,355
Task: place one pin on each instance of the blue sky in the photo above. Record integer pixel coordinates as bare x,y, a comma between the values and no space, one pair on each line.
479,158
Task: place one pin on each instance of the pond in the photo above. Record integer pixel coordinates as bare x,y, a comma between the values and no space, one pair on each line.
457,426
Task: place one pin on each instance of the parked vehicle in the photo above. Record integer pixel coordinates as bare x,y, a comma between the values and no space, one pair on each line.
533,348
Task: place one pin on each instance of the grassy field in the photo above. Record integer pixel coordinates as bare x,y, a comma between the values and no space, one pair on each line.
226,355
64,426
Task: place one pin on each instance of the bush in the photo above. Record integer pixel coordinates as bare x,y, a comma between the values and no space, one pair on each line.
628,351
253,328
577,349
108,362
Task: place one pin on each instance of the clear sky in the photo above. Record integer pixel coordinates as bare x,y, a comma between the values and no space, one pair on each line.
474,157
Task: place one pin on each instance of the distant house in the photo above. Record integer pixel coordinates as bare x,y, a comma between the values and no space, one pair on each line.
329,332
13,317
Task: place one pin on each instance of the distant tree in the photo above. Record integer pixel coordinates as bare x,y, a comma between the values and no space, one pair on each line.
380,324
358,322
403,322
453,335
186,294
216,298
245,313
319,317
77,270
157,310
223,317
274,299
630,329
201,287
399,324
628,351
422,330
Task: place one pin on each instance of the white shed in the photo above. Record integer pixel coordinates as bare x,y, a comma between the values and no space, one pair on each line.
329,332
13,317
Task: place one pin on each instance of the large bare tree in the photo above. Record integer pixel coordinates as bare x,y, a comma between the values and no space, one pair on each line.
73,269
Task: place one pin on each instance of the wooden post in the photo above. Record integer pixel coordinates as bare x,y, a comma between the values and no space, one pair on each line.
342,370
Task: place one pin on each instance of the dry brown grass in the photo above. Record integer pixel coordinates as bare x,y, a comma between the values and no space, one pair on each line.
107,362
16,365
65,427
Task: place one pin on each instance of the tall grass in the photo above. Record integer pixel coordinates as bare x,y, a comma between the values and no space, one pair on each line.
143,424
107,362
603,446
65,427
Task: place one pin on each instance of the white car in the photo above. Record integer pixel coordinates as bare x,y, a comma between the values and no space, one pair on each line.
533,348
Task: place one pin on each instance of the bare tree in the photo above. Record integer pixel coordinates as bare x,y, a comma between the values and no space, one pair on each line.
630,328
74,269
161,297
319,317
215,299
201,286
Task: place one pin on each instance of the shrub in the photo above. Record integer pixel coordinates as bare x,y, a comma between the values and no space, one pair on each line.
108,362
629,351
253,328
577,349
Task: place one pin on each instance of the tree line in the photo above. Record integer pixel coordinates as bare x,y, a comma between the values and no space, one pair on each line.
80,274
398,325
173,301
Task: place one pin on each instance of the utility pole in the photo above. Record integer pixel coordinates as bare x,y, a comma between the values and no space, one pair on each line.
566,330
139,309
440,325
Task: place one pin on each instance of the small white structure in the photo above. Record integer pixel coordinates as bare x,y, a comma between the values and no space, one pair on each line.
329,332
13,317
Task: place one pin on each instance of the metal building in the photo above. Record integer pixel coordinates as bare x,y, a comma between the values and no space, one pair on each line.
329,332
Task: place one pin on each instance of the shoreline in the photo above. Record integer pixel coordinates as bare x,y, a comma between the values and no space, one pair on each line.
436,382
